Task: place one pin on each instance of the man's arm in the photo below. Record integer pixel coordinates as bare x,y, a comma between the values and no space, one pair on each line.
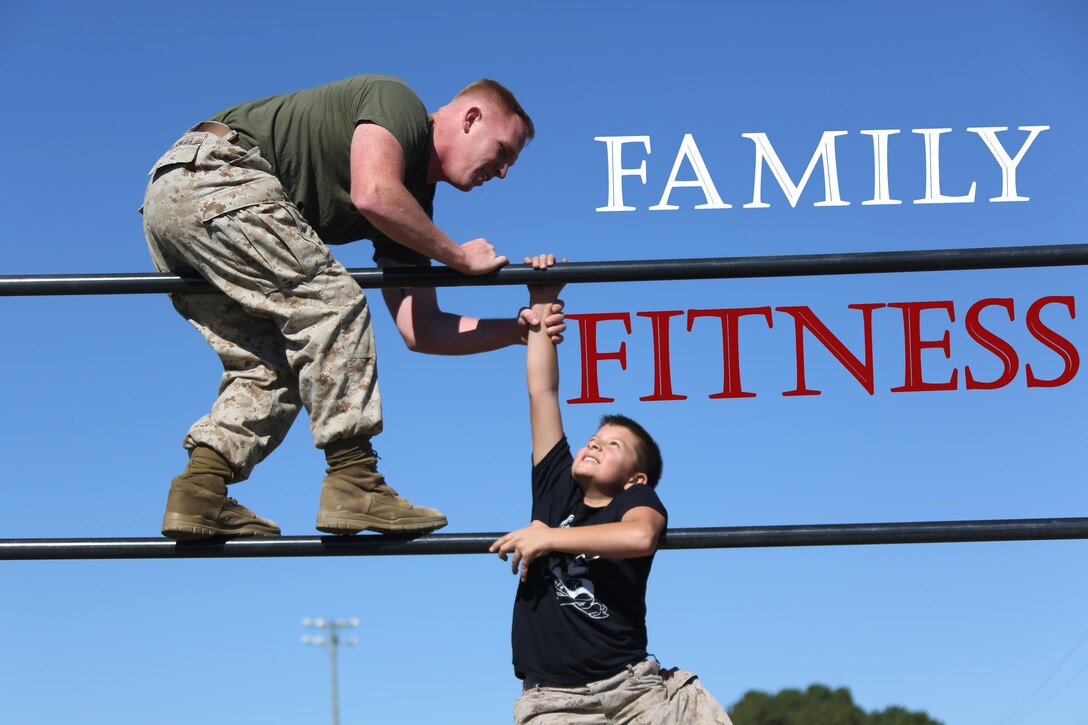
632,537
378,192
426,328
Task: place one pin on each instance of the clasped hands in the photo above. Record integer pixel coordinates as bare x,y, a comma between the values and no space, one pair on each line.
544,293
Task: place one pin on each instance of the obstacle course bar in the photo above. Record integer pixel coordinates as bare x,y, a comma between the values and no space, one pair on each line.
1060,255
923,532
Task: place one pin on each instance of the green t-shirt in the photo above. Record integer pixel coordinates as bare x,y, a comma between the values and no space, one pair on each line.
306,136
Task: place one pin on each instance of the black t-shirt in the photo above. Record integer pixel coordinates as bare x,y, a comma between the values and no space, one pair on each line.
578,619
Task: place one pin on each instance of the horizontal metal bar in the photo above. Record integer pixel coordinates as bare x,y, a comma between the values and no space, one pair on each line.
619,271
703,538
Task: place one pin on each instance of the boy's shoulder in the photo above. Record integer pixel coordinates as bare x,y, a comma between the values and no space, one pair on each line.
553,484
556,462
640,494
637,496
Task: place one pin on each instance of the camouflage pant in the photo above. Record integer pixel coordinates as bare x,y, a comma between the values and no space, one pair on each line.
289,324
636,696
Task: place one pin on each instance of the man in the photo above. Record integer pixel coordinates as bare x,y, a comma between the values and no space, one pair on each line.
249,200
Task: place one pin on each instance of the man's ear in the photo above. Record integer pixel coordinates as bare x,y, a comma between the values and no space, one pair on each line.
472,115
637,479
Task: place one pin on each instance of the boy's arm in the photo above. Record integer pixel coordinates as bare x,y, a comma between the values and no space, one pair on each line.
632,537
542,367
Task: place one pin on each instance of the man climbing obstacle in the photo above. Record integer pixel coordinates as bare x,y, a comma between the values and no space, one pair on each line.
249,200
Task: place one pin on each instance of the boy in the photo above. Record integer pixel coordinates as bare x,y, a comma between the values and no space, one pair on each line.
579,630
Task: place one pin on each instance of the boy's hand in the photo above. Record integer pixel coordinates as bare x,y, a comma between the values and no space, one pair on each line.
526,544
542,293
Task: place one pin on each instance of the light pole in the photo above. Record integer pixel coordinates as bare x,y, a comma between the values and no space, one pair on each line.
332,639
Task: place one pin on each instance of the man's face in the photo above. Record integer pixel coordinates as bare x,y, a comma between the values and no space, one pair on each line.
608,458
487,144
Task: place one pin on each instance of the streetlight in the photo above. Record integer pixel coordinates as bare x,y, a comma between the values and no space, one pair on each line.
333,641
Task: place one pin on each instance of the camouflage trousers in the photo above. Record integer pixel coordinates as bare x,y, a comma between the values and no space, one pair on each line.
636,696
288,323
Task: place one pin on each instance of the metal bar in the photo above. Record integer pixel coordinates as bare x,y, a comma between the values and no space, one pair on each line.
701,538
1060,255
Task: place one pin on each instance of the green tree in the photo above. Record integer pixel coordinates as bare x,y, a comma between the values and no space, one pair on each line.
818,705
900,716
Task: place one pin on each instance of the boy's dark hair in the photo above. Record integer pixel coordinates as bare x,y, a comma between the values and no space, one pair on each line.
647,454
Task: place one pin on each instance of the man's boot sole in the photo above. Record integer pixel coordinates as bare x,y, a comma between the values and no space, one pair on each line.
345,526
193,528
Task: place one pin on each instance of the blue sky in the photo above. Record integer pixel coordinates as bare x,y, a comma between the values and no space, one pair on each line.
101,389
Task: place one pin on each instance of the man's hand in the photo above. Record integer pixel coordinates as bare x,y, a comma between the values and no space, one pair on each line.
554,322
527,545
478,257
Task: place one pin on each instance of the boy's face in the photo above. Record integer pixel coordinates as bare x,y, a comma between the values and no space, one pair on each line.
608,459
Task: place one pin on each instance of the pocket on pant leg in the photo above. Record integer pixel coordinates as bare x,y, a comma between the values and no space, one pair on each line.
263,240
181,153
233,194
230,153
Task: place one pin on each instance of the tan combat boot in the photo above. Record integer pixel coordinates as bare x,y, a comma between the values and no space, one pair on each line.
198,506
355,497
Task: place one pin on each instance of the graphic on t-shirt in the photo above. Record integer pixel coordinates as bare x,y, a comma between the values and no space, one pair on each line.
571,588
